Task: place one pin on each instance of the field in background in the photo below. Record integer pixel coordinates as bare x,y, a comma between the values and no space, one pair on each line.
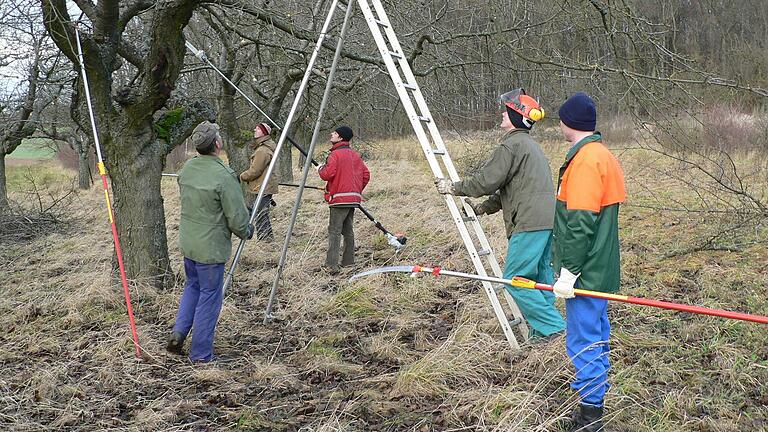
34,148
383,353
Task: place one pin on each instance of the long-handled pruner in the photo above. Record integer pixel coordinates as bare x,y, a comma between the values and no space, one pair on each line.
396,240
519,282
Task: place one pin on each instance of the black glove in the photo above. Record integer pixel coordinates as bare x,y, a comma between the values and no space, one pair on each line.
251,230
477,208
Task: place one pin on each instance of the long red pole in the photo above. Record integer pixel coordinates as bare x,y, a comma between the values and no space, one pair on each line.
103,173
519,282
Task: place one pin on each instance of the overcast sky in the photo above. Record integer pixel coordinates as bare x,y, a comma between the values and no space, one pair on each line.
15,73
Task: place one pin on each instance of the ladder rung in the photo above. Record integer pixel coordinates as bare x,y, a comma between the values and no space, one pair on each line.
484,252
425,119
396,55
468,219
381,23
409,86
515,322
438,152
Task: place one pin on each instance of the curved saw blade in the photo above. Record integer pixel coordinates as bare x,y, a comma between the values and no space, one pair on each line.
391,269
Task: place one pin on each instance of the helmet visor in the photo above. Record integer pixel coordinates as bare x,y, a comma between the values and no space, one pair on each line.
511,98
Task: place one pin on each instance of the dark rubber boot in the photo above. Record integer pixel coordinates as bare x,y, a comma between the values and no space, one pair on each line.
175,343
588,418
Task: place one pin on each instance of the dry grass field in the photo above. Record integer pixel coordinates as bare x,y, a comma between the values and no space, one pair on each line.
389,352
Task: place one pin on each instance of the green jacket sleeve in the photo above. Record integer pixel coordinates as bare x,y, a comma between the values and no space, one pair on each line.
233,204
490,177
492,204
577,238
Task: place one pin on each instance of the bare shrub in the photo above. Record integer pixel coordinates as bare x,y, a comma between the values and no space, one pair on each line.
38,211
725,128
618,130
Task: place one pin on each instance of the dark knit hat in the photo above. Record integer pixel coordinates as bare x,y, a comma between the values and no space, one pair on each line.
204,137
345,132
578,112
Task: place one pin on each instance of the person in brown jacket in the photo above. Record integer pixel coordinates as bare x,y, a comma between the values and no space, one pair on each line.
263,149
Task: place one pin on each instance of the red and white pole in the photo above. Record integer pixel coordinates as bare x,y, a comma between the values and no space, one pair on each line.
103,174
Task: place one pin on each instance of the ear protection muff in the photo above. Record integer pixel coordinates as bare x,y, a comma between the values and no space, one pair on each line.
536,114
528,107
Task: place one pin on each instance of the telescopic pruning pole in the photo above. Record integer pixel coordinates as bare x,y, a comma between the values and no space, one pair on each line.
519,282
283,136
103,173
201,55
312,144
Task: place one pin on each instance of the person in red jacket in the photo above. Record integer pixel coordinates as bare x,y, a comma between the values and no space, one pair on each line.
346,175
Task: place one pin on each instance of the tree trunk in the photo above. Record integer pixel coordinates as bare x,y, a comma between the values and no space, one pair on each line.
285,163
4,205
136,174
236,147
238,151
84,179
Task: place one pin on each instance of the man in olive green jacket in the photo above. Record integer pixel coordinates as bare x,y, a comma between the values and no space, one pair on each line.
518,179
263,150
212,208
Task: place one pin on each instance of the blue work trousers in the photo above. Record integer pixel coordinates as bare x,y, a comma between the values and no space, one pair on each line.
529,255
200,306
586,341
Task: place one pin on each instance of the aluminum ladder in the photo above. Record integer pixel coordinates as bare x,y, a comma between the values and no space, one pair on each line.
440,162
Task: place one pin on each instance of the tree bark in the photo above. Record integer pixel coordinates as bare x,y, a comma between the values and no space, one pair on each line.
84,179
4,205
235,145
139,212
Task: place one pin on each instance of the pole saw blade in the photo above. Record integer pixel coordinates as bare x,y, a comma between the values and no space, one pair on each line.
390,269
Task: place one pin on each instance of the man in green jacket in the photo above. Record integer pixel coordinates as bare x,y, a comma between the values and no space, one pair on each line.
212,208
518,180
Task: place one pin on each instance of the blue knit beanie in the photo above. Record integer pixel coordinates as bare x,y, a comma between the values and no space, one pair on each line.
579,112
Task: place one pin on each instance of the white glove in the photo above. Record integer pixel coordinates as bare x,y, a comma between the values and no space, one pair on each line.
444,186
563,287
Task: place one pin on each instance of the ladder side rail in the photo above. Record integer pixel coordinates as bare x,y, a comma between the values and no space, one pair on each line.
439,144
494,263
405,98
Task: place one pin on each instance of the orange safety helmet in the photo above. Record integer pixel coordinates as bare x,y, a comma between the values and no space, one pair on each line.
523,104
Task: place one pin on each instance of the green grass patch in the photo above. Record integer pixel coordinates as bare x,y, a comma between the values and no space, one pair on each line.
34,148
324,347
354,302
42,175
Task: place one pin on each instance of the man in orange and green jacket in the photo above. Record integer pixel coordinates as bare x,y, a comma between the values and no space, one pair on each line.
586,251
